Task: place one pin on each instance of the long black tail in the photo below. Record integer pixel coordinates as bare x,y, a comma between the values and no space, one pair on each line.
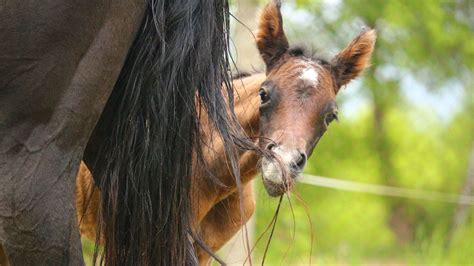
149,128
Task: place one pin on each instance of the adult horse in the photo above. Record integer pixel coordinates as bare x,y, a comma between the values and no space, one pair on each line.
114,83
287,109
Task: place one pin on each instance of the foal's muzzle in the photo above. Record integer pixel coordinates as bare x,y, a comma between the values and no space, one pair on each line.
279,173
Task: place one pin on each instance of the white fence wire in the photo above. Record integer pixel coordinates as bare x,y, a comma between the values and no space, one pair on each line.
385,190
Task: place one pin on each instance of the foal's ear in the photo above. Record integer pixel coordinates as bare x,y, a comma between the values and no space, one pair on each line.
271,39
354,58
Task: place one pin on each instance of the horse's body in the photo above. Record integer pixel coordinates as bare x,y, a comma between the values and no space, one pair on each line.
60,61
216,215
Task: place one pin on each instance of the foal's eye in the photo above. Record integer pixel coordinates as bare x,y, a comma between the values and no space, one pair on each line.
264,97
329,118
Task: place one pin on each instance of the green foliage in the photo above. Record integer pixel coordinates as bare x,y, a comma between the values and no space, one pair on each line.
352,227
87,250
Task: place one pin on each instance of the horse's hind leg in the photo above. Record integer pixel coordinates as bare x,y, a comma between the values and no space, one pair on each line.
38,223
224,220
59,62
87,203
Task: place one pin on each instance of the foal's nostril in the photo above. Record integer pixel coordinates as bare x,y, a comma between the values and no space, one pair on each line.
300,162
271,146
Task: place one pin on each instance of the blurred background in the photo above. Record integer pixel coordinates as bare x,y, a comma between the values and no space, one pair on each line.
408,122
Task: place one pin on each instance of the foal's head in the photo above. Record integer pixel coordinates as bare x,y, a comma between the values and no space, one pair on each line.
298,97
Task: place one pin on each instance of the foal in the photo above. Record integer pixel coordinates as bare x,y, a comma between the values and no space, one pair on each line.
289,108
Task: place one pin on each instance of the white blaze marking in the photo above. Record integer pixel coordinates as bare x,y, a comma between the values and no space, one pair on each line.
310,75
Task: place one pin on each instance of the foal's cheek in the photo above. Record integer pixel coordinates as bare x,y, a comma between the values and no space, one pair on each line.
264,124
311,145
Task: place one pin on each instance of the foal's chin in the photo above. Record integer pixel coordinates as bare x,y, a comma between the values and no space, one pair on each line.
276,189
275,182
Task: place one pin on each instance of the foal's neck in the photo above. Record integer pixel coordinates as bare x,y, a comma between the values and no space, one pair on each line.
207,191
246,106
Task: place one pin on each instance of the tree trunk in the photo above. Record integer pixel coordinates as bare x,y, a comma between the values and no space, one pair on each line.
246,58
462,210
246,55
399,221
